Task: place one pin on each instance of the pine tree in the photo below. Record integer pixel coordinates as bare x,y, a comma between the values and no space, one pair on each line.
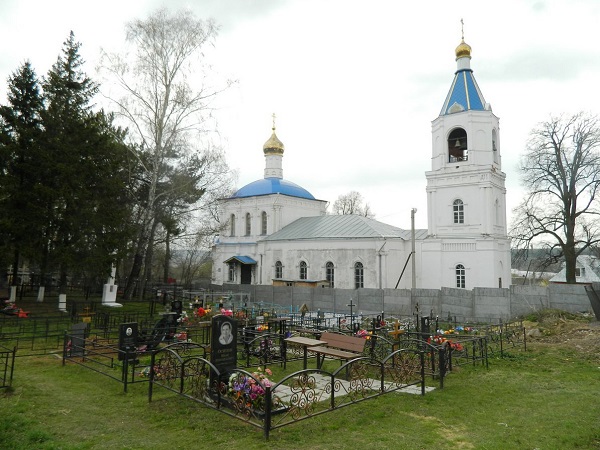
87,179
19,177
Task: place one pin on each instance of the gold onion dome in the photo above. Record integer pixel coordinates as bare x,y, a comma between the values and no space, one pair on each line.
273,145
463,50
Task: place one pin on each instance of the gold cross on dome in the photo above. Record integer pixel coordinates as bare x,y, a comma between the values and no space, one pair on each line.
462,29
274,117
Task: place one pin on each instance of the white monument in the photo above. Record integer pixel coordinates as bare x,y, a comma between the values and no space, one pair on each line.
109,292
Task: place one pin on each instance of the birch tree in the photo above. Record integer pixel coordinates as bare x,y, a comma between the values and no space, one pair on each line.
166,99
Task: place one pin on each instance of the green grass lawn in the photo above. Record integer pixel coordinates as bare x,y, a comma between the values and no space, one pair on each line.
545,398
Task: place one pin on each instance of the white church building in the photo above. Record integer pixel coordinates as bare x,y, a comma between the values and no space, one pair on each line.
278,233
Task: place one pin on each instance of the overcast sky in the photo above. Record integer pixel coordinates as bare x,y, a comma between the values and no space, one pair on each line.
355,84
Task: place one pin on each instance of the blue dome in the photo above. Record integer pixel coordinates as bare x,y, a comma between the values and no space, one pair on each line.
268,186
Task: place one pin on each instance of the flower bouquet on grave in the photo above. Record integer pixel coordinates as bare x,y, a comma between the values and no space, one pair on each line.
248,393
363,334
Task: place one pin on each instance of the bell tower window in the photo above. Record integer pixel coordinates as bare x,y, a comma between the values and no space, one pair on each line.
460,272
458,209
457,146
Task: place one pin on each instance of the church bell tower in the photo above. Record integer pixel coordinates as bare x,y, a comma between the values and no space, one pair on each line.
466,194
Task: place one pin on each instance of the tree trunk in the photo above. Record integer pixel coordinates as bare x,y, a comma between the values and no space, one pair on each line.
570,264
148,262
167,261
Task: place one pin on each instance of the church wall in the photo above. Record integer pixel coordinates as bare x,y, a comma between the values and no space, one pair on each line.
281,211
343,254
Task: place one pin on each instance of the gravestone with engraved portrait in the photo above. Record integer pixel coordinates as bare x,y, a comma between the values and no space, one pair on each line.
224,343
128,338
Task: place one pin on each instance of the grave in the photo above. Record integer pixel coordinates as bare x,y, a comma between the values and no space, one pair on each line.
224,344
128,339
78,335
109,291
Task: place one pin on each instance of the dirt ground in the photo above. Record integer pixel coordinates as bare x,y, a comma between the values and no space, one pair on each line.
577,332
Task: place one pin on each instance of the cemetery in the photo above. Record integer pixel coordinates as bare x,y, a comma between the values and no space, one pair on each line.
267,365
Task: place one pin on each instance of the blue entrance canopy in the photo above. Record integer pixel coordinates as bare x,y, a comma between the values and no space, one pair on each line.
241,260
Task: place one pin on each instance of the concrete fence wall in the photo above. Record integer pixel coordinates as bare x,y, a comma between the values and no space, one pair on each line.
473,305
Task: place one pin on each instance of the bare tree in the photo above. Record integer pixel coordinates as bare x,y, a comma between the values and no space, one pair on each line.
561,174
352,203
165,96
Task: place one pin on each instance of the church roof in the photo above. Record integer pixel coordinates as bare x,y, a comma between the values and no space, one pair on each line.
464,94
341,227
273,185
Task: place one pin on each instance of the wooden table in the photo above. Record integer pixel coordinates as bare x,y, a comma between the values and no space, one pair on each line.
305,343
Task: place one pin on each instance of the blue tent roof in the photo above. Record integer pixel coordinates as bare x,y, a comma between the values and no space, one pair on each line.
464,94
268,186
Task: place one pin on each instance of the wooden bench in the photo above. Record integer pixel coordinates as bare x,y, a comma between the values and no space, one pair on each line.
339,346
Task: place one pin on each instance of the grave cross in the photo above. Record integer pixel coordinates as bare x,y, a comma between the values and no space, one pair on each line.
397,330
351,305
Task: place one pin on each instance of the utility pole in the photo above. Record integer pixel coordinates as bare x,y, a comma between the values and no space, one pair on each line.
413,254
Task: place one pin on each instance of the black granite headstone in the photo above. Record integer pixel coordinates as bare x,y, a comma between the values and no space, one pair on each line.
224,343
78,332
177,306
128,338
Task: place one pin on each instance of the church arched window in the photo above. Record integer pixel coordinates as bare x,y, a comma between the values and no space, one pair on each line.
232,225
457,145
329,273
263,223
303,270
460,276
458,210
248,224
359,275
278,270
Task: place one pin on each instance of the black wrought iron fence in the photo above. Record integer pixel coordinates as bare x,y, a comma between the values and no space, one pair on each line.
260,402
7,366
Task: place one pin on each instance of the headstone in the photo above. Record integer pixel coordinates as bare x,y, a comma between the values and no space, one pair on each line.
224,343
78,332
425,325
40,296
128,338
62,302
177,306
